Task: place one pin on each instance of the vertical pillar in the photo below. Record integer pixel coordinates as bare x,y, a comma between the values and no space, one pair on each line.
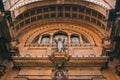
69,39
12,33
9,19
70,49
50,50
39,40
81,40
51,39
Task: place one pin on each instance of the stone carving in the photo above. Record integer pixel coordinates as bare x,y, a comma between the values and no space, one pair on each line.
60,45
59,75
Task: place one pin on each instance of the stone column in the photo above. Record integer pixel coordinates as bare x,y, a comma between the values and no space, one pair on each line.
69,39
51,39
39,40
11,27
81,40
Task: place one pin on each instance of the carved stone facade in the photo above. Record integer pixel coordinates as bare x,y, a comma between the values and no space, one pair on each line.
36,25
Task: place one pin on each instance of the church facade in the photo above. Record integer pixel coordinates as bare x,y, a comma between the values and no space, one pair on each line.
59,39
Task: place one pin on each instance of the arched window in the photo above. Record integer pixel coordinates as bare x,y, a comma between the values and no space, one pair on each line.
75,39
61,35
35,40
45,39
85,40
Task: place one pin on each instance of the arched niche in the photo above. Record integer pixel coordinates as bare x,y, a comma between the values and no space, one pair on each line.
62,35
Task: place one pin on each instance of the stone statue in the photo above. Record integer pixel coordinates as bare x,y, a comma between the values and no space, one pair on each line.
60,44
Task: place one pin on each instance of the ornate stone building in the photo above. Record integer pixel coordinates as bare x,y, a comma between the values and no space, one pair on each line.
59,39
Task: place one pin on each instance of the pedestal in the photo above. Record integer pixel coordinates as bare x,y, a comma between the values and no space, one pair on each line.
59,59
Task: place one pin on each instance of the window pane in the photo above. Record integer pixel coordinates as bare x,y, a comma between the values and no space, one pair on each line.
45,40
75,39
